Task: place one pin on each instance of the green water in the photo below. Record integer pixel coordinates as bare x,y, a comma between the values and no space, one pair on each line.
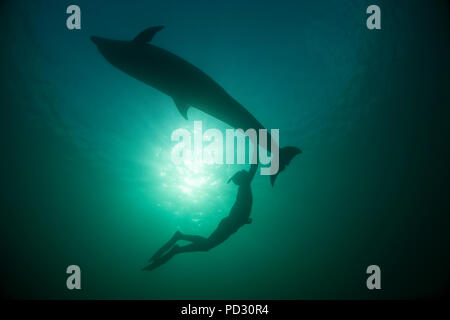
87,177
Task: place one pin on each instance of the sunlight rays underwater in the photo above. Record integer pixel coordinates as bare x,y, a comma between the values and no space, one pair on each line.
91,150
192,188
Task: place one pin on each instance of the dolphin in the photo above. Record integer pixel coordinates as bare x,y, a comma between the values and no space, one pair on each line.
186,84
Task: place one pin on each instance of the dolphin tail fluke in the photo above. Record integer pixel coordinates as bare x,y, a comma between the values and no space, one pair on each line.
286,155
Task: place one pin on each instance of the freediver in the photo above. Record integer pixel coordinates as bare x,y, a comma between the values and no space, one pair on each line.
239,216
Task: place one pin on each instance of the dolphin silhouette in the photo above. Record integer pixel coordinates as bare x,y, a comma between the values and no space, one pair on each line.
186,84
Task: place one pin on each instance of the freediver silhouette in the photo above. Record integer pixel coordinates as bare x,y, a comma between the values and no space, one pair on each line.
238,217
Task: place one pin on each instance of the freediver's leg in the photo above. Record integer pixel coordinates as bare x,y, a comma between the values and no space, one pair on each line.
191,238
162,259
177,236
167,246
197,246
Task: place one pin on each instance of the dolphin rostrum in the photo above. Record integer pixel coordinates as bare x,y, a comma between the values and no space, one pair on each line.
186,84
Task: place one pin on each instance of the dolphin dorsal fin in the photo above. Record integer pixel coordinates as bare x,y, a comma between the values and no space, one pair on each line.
148,34
182,107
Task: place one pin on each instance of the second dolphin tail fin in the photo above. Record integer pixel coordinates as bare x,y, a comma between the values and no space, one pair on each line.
286,155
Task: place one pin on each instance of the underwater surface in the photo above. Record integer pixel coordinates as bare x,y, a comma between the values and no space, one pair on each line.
87,177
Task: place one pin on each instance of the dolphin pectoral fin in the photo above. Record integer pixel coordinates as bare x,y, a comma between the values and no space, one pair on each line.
182,107
148,34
